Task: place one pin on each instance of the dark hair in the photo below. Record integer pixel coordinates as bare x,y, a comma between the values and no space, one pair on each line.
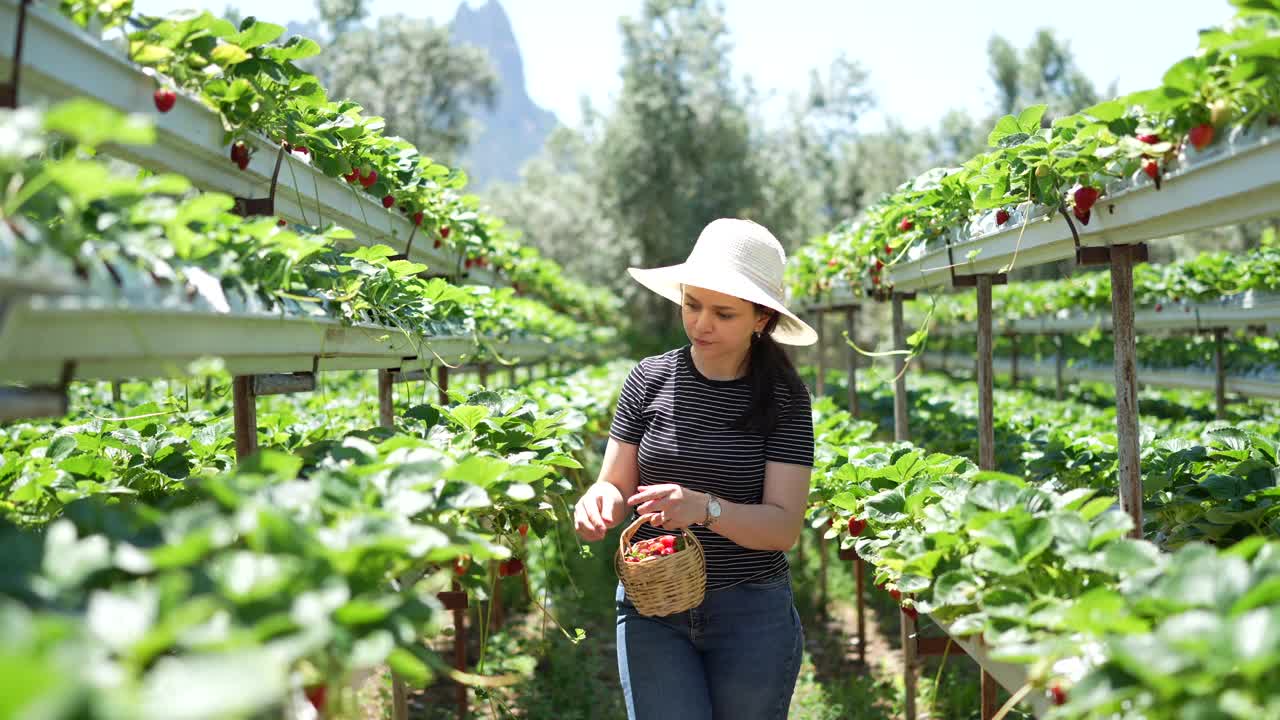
767,363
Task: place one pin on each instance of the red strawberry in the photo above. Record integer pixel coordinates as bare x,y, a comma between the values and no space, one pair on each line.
302,150
461,564
164,99
1201,135
879,264
437,244
1002,216
911,612
888,251
906,224
1082,216
833,263
352,177
524,530
875,279
1149,139
1059,695
897,596
856,526
444,231
388,201
417,218
240,154
1151,169
317,695
1085,197
1159,307
282,222
370,179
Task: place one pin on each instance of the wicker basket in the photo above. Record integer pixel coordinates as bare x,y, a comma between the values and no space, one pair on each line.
662,585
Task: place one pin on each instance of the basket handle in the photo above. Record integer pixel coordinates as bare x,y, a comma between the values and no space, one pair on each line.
625,538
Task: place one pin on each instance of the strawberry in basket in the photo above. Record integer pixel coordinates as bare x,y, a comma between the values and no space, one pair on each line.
654,547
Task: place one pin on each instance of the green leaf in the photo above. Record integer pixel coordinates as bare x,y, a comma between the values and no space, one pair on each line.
1106,111
91,123
407,665
257,33
228,55
233,684
1007,126
469,416
1102,610
296,48
1029,119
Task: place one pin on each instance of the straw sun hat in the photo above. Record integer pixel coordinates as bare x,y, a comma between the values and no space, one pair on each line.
738,258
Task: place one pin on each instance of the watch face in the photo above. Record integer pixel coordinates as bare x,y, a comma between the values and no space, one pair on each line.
714,508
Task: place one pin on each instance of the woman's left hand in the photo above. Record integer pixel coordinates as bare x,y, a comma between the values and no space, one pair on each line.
676,507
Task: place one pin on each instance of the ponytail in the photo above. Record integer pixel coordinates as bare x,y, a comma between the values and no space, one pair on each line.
767,364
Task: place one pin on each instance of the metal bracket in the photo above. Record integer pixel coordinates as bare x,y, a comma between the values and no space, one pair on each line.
9,90
283,383
968,280
248,207
1102,255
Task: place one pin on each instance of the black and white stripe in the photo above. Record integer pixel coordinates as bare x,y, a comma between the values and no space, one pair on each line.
682,422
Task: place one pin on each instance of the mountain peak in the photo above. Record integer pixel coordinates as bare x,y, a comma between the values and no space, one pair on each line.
516,128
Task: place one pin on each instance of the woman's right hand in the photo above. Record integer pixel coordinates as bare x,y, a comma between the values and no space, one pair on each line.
600,508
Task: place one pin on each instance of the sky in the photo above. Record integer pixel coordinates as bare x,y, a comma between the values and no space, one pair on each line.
924,57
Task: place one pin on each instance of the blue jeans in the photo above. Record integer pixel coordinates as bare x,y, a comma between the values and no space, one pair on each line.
734,657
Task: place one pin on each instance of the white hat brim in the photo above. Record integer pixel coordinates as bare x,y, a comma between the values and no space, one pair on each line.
666,281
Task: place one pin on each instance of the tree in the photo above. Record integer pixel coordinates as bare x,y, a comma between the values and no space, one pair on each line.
1045,72
407,71
558,208
677,152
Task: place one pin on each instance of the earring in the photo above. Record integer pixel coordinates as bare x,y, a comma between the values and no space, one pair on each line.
755,336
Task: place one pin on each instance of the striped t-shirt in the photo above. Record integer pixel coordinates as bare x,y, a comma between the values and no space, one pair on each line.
683,423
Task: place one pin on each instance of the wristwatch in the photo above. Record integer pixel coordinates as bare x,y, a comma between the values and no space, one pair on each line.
713,510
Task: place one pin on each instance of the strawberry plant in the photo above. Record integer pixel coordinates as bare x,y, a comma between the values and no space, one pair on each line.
1230,88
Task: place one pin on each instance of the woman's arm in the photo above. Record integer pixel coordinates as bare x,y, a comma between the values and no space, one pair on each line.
603,505
774,524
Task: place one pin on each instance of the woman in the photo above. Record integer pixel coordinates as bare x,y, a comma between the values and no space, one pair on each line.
716,436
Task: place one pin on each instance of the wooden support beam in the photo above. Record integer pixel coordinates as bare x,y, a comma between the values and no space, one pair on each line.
115,391
860,584
442,381
386,399
483,373
901,427
851,329
1013,368
908,640
990,701
512,379
1220,373
986,414
822,575
986,420
1122,331
1059,365
245,412
459,630
820,381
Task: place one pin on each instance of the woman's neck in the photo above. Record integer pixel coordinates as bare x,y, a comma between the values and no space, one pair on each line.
723,368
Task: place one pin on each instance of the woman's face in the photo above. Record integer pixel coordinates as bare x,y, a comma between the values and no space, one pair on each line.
720,325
